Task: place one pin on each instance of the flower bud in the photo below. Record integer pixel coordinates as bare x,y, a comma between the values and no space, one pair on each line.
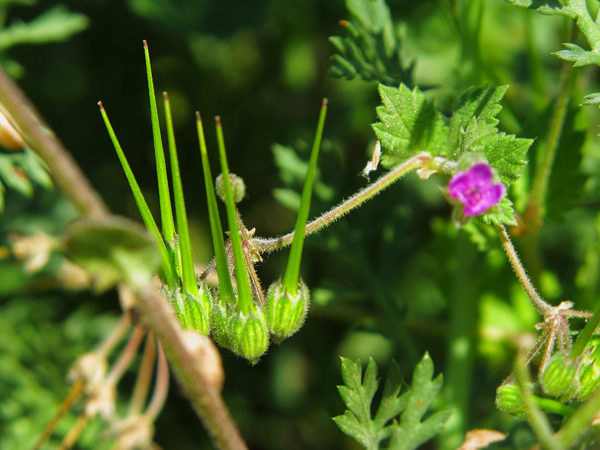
560,377
249,334
286,313
191,311
238,187
220,313
589,380
509,400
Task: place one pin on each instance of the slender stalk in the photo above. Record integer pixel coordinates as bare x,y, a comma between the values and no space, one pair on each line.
126,356
64,407
161,388
571,431
539,186
40,139
292,271
540,305
115,336
73,435
416,162
185,247
536,418
140,391
166,211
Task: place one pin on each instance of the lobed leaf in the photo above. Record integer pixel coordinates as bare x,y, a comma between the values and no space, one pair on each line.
578,56
410,124
411,431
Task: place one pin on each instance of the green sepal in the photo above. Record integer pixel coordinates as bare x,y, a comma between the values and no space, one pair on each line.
286,313
193,312
220,312
559,379
249,334
510,400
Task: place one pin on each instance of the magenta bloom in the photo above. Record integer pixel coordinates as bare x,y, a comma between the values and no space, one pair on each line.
475,189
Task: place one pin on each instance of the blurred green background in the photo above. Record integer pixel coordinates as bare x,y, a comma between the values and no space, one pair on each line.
391,280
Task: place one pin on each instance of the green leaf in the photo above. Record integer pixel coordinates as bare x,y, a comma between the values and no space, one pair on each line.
112,251
578,55
506,153
411,432
410,124
54,25
373,47
481,103
592,99
406,433
548,7
502,213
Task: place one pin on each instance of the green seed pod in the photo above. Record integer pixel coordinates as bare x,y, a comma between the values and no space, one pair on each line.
249,334
220,313
559,380
286,314
238,187
589,379
192,312
509,400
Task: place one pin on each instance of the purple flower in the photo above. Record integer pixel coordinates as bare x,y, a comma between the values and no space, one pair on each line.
475,190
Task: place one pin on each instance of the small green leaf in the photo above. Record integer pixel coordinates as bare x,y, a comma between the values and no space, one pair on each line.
410,124
411,432
502,213
578,55
373,48
548,7
506,154
592,99
112,251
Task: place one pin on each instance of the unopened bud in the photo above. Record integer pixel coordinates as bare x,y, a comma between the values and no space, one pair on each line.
286,313
192,312
238,187
249,334
589,370
220,313
560,377
509,400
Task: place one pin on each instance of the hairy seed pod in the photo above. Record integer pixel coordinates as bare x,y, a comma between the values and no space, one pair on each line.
238,187
192,312
559,380
509,400
589,370
249,334
220,313
285,313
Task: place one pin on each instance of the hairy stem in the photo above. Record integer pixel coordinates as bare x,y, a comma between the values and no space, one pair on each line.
540,305
416,162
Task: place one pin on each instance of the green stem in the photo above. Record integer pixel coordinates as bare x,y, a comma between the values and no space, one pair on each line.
166,211
585,23
540,305
536,418
225,287
292,272
463,324
416,162
185,247
241,272
539,188
571,431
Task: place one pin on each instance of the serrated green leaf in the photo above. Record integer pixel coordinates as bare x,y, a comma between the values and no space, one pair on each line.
410,432
502,213
481,103
372,49
506,154
410,124
578,56
548,7
592,99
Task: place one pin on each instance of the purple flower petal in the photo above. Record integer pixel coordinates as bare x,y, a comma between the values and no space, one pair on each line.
474,189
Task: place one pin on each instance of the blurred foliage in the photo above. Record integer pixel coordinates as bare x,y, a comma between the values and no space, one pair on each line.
391,280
